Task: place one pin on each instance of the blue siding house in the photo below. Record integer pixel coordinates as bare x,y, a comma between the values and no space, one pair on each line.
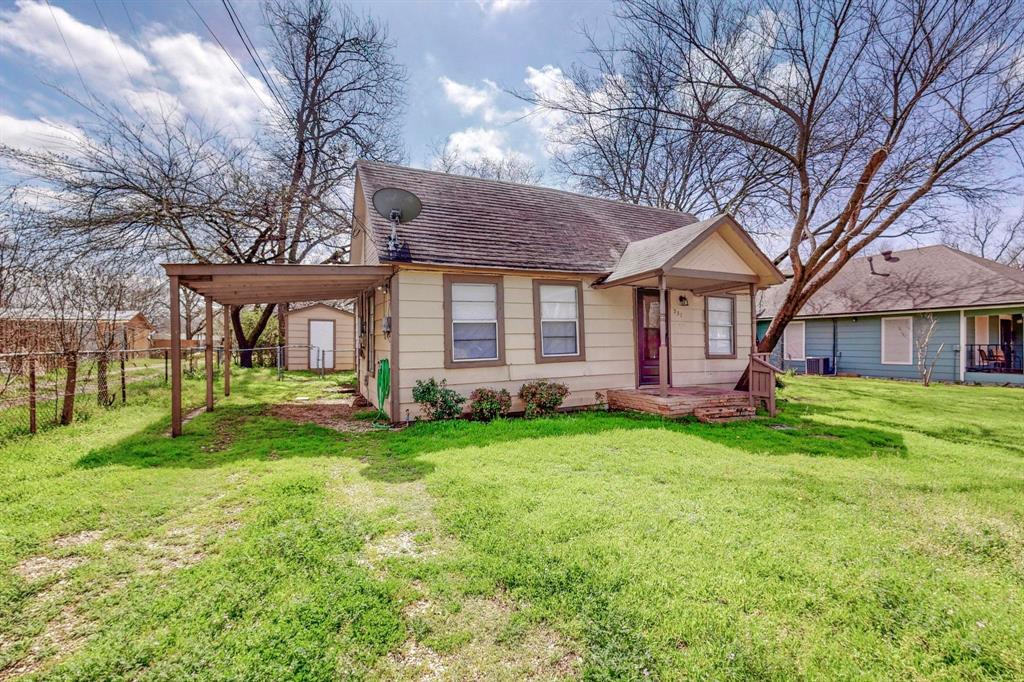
883,314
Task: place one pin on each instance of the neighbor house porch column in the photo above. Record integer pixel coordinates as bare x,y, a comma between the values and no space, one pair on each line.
663,368
175,358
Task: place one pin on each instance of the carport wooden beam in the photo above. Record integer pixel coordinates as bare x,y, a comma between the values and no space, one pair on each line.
244,284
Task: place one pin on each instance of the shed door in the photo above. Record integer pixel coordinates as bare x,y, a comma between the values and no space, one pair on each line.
321,342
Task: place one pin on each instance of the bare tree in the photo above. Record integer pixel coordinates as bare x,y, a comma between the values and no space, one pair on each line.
874,117
511,167
990,234
630,149
175,188
925,360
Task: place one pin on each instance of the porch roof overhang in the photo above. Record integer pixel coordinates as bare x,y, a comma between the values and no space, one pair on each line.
242,284
674,256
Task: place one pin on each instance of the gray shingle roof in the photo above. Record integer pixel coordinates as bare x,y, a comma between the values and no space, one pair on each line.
927,278
469,221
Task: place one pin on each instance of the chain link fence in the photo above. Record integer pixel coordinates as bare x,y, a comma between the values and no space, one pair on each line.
41,391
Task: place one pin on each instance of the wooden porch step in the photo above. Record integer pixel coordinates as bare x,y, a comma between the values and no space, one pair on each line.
722,414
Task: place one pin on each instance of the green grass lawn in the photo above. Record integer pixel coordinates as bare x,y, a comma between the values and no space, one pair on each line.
873,530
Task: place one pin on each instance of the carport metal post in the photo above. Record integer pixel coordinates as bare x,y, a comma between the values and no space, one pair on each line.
209,353
175,358
227,350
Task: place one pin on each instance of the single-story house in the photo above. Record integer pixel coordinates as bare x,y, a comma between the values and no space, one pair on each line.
40,330
320,336
496,284
872,318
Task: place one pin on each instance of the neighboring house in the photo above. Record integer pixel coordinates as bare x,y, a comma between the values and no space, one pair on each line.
496,284
320,335
39,331
871,319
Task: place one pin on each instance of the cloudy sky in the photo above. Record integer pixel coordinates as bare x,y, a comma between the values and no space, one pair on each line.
462,58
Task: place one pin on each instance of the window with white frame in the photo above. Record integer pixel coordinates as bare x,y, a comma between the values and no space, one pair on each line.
474,321
793,341
720,318
897,340
559,320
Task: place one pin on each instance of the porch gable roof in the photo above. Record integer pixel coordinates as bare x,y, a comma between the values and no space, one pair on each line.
658,254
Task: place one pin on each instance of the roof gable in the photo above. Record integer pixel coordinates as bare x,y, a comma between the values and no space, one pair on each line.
718,244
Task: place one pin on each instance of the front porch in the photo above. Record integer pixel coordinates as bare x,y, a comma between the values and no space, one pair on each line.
683,401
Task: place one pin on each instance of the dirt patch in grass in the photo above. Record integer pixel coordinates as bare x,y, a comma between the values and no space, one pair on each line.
332,414
77,539
478,638
61,635
39,567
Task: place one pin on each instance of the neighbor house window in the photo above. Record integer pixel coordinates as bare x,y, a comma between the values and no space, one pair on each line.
897,340
793,341
720,326
474,328
558,320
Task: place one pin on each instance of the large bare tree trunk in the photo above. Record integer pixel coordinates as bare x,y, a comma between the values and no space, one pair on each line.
67,414
245,344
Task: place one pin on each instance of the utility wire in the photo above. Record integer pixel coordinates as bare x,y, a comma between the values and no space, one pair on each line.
113,42
250,47
227,54
67,47
156,88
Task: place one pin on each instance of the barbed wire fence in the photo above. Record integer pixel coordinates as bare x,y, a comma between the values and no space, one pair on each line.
44,390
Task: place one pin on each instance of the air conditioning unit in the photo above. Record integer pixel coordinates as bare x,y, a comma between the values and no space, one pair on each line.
819,365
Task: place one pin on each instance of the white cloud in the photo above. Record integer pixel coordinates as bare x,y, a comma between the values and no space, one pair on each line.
101,57
208,83
39,135
493,7
475,144
163,75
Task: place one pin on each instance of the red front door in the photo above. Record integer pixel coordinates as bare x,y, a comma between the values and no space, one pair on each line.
648,336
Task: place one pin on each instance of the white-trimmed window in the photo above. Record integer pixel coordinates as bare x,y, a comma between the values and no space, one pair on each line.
474,321
897,340
794,341
559,320
720,317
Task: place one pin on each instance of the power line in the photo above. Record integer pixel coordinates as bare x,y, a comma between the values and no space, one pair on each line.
113,42
250,47
67,47
152,79
226,53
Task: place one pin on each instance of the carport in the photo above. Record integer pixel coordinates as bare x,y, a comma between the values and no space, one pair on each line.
240,284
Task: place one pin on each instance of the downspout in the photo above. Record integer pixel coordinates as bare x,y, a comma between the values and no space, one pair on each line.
835,346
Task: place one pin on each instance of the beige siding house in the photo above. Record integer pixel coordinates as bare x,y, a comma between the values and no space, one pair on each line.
320,335
496,284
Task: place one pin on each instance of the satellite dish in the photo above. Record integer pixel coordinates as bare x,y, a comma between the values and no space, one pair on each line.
397,205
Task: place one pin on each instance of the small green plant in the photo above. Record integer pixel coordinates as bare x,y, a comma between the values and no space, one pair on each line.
542,397
438,401
486,404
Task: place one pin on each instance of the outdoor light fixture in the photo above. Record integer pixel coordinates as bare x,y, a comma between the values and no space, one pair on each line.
684,301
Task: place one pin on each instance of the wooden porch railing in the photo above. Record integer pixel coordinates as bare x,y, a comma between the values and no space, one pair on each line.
761,381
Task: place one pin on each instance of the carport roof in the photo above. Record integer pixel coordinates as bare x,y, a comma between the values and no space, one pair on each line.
242,284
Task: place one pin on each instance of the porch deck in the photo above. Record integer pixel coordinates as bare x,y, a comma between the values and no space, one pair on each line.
680,401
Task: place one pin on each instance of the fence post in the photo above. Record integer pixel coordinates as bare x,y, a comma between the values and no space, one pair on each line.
166,357
280,371
124,381
31,394
322,358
